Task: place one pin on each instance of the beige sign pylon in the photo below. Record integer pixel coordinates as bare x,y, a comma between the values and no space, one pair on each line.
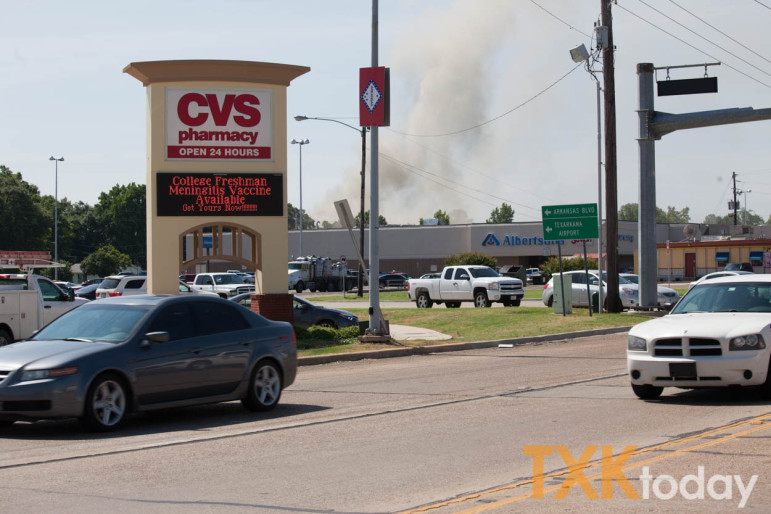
217,170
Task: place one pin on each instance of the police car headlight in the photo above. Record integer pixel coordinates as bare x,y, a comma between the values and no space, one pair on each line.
637,344
747,343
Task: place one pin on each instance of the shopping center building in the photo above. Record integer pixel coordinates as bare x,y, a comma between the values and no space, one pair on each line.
694,249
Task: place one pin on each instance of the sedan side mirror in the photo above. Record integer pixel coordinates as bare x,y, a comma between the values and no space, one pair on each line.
155,337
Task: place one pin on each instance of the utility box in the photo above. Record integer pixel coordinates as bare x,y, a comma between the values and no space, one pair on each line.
563,295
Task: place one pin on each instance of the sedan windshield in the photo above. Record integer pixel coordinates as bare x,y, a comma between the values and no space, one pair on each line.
484,272
728,297
108,323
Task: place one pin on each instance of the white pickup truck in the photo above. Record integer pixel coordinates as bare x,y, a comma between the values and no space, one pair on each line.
223,284
479,284
28,302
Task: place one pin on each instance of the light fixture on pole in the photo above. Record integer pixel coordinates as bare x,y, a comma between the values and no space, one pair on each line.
580,54
746,212
56,213
301,142
363,132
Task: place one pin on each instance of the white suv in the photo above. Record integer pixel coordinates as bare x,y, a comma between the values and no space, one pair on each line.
121,285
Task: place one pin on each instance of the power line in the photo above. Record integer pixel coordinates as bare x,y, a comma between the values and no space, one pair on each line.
761,3
547,88
414,170
720,31
468,168
695,48
571,27
704,38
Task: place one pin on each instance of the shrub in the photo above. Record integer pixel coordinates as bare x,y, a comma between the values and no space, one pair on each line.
320,337
476,259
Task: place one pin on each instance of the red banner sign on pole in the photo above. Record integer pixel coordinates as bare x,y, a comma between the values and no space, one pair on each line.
374,97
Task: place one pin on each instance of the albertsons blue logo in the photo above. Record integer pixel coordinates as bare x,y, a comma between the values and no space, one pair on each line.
491,240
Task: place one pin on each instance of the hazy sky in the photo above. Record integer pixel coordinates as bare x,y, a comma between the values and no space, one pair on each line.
491,64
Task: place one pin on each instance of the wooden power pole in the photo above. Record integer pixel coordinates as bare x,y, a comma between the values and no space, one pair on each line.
611,193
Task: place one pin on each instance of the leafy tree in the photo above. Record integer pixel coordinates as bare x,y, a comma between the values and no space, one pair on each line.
631,212
24,223
105,261
442,216
471,259
502,214
381,220
330,224
714,219
293,216
123,213
87,232
64,273
552,266
628,212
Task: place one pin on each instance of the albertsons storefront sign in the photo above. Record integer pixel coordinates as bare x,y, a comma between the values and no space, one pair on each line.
219,124
509,240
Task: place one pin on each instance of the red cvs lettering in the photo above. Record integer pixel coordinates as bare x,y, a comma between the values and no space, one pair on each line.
245,105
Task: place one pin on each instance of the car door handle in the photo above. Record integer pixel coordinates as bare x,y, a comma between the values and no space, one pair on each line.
46,306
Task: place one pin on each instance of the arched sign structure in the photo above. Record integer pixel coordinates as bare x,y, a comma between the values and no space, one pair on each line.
217,171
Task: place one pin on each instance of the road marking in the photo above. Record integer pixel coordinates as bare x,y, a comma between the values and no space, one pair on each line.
761,423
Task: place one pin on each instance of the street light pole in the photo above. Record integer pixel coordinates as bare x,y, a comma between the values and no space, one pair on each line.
301,142
56,213
361,212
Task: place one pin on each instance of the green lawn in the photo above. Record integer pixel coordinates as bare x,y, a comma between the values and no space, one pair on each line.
466,325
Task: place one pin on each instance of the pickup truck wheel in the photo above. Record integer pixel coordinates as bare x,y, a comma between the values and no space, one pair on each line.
480,299
647,392
5,337
506,302
299,286
515,303
453,305
423,301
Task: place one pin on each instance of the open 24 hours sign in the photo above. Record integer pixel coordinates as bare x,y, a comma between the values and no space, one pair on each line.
219,124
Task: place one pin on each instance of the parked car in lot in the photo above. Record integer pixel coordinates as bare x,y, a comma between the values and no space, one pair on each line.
739,266
431,275
717,274
392,280
308,314
666,297
88,292
535,276
120,285
628,291
110,357
718,335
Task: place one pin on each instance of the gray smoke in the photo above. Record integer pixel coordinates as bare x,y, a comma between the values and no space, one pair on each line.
441,71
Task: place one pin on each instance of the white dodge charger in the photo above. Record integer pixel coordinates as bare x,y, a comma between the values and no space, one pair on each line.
717,335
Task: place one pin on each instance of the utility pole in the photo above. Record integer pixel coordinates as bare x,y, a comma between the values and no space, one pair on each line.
735,204
611,193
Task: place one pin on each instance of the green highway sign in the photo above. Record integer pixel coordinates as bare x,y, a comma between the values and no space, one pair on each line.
578,221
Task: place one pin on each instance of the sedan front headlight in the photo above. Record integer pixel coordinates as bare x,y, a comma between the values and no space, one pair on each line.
637,344
744,343
40,374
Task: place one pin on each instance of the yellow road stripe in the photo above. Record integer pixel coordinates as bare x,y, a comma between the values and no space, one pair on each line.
753,421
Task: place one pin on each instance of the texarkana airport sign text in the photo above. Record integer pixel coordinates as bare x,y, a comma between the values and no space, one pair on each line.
578,221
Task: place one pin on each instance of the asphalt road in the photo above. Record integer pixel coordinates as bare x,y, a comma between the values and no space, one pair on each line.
447,432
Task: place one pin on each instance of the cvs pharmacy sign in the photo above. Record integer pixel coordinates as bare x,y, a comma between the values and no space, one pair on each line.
216,124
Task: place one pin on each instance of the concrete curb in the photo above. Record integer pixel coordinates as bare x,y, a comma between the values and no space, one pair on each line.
451,347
